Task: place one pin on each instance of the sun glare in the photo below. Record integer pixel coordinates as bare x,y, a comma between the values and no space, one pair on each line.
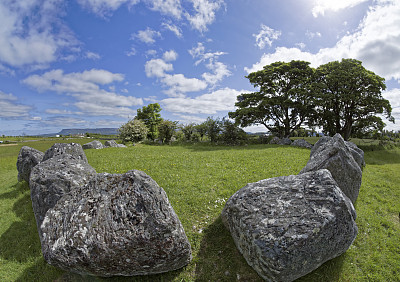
320,6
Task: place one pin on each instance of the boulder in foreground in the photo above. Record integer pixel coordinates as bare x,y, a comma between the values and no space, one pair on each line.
288,226
118,224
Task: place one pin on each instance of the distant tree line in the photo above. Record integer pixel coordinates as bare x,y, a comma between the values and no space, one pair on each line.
149,125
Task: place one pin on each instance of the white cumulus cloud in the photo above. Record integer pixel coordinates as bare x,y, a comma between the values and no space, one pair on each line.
376,42
32,34
221,100
320,6
11,109
167,7
105,7
147,36
85,87
266,36
204,13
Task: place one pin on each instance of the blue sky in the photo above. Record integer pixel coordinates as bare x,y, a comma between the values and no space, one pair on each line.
93,63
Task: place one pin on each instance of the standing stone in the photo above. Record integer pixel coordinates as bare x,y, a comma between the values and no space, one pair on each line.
110,143
58,149
285,141
357,153
118,224
28,158
53,178
93,145
288,226
334,155
274,140
301,143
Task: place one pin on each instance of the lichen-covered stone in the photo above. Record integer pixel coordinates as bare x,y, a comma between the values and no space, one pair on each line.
288,226
274,140
301,143
356,152
53,178
28,158
110,143
93,145
58,149
285,141
118,224
333,154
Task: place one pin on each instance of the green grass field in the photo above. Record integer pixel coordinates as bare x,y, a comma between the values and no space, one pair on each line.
198,180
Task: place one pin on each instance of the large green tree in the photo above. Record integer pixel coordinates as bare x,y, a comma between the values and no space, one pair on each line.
349,97
283,101
151,116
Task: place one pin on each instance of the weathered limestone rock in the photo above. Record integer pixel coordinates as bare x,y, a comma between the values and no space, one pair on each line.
357,153
93,145
333,154
53,178
110,143
118,224
274,140
28,158
285,141
122,145
288,226
301,143
59,149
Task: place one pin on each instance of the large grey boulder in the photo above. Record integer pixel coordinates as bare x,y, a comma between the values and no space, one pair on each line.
356,152
288,226
110,143
301,143
93,145
118,224
58,149
28,158
334,155
53,178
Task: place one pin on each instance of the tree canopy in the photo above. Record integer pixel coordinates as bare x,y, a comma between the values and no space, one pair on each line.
283,101
348,99
151,116
339,97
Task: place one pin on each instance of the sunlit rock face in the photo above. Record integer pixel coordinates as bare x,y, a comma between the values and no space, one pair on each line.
288,226
93,145
59,149
333,154
118,224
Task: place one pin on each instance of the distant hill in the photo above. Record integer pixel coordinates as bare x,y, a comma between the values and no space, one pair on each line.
102,131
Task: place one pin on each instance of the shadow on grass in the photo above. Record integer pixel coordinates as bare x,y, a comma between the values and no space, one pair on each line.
15,190
219,260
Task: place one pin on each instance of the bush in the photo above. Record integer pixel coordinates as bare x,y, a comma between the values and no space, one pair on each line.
134,130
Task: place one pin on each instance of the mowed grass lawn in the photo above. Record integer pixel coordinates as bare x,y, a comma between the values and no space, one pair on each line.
198,180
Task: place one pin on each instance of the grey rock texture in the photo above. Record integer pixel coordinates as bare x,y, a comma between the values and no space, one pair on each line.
122,146
357,153
59,149
118,224
301,143
53,178
110,143
274,140
285,141
287,226
28,158
93,145
333,154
